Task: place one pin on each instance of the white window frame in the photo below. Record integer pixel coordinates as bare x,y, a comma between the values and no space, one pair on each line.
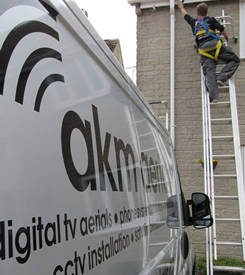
242,29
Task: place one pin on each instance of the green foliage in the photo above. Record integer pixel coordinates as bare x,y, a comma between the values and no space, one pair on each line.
201,263
222,261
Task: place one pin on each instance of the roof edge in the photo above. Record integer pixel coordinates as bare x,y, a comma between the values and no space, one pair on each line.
145,4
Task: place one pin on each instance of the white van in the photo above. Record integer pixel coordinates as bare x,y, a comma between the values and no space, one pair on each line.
88,178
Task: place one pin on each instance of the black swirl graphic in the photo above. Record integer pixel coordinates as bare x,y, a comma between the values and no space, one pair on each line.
14,37
31,61
52,12
46,82
11,42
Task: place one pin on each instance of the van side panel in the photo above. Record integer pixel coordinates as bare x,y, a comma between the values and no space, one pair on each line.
86,171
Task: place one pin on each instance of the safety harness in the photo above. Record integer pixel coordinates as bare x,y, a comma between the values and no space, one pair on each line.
211,33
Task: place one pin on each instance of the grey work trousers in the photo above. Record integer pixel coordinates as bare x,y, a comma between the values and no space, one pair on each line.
209,67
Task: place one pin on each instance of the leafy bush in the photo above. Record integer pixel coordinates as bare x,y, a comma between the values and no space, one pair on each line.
222,261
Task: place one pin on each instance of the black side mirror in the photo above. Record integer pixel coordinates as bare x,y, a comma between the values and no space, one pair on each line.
201,213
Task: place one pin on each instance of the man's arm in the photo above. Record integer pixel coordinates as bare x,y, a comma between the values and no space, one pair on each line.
181,7
191,21
219,27
225,33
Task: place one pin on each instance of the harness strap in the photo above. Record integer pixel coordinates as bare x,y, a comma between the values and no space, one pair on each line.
205,52
203,31
211,33
206,30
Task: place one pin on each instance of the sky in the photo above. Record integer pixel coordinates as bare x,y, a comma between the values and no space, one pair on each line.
115,19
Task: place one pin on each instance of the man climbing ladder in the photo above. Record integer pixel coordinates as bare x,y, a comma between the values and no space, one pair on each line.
211,49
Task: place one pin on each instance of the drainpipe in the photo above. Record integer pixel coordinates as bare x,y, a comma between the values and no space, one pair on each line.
172,72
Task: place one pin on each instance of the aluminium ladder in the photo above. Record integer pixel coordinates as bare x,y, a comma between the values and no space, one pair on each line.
217,183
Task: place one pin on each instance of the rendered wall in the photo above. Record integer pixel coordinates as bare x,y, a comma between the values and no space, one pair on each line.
153,79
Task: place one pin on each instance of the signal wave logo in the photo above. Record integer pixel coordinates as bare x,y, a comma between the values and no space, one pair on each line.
11,42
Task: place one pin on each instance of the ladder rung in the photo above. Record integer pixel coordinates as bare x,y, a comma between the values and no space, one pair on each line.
222,138
149,150
220,104
147,134
225,176
221,121
157,202
229,243
158,223
227,220
223,157
228,268
158,244
224,89
226,197
154,184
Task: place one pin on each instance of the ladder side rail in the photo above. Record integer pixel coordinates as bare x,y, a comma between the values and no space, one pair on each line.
204,118
238,157
205,164
238,160
212,195
210,229
206,171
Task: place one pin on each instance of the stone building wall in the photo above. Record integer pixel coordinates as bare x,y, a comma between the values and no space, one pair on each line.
153,79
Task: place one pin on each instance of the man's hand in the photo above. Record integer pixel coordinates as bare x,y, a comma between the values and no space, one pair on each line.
180,4
181,7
